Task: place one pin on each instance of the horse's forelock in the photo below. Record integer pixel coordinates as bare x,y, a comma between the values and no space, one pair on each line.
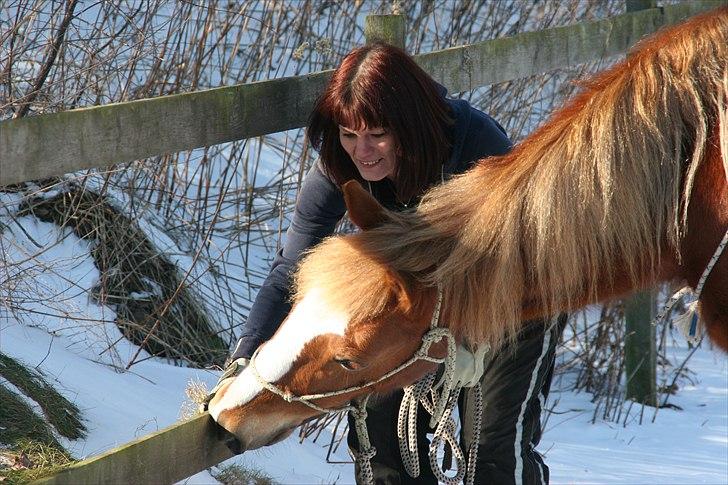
346,278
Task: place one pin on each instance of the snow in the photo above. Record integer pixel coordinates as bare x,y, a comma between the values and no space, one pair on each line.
670,447
680,446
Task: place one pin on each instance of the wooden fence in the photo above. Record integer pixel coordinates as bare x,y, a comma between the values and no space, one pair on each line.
42,146
54,144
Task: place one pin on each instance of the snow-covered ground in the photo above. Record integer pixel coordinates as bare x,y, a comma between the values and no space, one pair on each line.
678,447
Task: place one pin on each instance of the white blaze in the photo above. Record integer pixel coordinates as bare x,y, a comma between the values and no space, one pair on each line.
308,319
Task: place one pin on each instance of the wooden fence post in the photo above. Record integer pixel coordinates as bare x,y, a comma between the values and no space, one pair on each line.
639,348
639,342
387,28
635,5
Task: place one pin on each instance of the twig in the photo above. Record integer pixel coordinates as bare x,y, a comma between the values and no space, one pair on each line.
48,64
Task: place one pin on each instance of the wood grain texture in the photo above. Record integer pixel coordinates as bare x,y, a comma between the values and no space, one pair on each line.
508,58
41,146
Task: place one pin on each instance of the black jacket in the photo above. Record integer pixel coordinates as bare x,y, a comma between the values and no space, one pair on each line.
320,206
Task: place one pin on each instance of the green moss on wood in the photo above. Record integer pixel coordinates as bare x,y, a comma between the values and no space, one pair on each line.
386,28
166,456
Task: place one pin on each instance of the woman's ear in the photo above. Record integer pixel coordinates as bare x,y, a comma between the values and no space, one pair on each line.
364,210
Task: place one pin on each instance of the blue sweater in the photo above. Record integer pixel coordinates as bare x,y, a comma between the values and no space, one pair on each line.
320,206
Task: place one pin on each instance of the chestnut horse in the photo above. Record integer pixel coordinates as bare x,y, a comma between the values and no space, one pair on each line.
623,187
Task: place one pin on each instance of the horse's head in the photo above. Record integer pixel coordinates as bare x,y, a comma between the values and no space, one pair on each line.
353,320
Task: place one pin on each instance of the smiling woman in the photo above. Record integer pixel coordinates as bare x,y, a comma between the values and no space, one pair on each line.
372,150
390,109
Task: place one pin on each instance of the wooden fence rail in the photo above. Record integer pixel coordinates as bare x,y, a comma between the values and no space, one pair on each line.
167,456
42,146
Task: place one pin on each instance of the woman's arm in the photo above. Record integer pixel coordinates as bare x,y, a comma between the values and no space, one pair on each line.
319,206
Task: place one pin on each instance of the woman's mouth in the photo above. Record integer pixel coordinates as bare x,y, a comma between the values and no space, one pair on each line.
370,163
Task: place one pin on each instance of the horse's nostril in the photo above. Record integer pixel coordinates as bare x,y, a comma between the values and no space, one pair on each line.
234,445
230,440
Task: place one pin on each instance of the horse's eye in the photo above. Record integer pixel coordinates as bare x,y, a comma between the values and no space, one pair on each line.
348,364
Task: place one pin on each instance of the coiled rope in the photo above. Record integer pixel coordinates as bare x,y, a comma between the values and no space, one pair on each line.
429,394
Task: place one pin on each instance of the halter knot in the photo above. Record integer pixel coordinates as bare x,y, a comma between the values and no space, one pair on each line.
432,336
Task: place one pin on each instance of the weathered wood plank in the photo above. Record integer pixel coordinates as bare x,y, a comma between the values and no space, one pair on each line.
42,146
504,59
385,28
166,456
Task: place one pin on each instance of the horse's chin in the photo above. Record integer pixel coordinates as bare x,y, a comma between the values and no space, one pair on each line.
254,443
286,432
280,436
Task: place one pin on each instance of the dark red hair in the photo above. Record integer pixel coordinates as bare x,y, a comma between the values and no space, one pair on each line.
379,85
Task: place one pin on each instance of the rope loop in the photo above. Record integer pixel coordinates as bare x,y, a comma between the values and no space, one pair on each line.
439,400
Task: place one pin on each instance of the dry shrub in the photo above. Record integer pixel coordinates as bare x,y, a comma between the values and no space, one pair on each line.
154,306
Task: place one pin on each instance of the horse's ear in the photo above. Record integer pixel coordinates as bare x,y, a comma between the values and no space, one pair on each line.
364,210
404,302
399,292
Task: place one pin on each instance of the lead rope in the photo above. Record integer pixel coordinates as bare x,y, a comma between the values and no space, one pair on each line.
366,450
439,400
445,431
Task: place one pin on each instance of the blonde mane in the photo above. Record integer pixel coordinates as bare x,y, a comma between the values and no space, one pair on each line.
595,194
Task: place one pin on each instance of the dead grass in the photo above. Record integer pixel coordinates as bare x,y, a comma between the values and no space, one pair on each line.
62,414
239,475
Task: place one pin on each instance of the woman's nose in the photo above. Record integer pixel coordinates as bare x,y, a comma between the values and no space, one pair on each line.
363,147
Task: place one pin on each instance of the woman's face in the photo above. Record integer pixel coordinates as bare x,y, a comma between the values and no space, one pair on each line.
372,150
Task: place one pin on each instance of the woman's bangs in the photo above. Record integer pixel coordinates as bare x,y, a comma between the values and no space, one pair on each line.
358,116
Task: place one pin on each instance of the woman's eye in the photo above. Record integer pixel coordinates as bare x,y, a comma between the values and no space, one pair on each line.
378,135
348,135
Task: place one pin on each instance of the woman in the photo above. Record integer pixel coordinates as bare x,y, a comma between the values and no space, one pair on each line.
383,121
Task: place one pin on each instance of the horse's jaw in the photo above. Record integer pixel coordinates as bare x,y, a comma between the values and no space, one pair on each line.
258,429
269,441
